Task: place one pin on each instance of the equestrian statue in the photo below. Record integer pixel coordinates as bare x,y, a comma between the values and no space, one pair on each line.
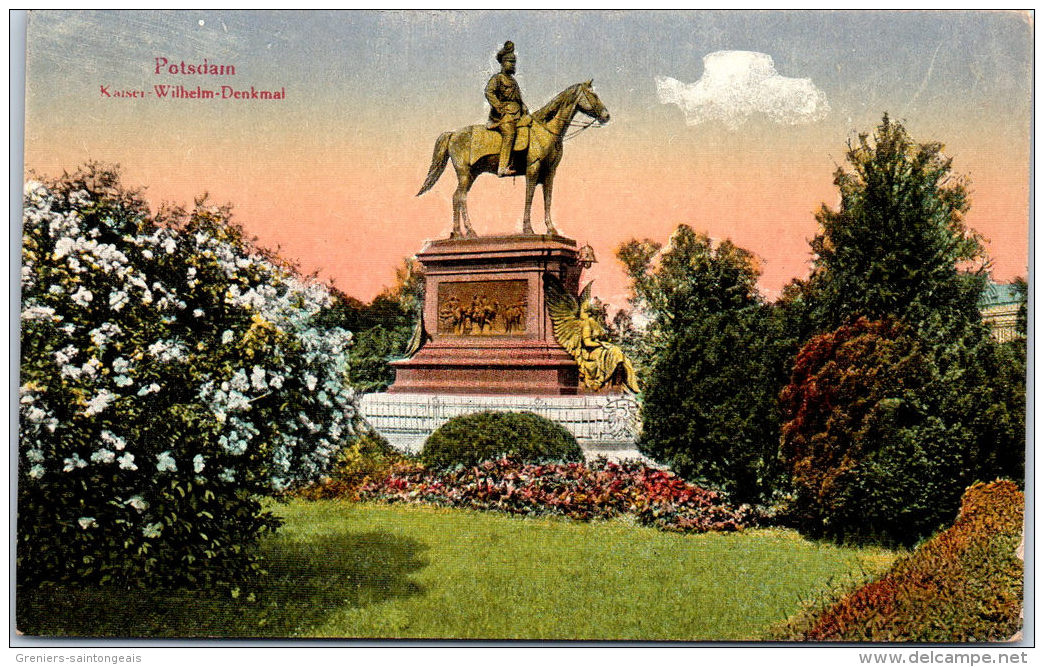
512,143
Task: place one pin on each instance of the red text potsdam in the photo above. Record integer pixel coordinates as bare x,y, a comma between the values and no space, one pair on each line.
205,68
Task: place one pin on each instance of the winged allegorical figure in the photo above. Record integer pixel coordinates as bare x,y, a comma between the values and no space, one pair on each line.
601,362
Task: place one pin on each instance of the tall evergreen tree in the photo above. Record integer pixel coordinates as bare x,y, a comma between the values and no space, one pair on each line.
897,249
897,244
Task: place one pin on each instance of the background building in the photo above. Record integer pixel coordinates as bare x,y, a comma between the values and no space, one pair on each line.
1000,309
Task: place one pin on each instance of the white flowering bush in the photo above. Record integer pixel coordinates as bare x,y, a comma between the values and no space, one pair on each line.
172,376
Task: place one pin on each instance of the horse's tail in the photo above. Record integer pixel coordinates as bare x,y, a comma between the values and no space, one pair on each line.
438,162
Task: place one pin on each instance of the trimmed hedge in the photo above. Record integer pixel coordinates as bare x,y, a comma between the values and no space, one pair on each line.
964,585
483,436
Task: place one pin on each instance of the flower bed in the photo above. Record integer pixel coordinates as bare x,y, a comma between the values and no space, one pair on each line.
963,585
599,490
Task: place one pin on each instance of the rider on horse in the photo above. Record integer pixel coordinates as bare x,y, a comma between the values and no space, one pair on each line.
506,105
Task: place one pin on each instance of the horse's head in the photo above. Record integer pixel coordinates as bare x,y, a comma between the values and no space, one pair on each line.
589,103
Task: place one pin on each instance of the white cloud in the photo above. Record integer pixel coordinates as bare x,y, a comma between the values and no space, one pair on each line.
737,84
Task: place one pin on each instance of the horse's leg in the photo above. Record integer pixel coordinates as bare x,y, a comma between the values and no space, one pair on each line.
460,204
459,153
532,173
458,212
456,233
549,182
468,181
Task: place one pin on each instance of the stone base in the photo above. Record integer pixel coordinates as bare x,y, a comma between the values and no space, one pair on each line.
497,367
604,425
486,317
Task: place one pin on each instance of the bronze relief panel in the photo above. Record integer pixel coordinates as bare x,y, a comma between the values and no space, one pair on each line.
482,308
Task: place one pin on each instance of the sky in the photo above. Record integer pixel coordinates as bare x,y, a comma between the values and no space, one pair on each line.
731,122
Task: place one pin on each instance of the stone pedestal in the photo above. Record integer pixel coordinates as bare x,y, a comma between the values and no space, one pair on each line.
492,347
484,311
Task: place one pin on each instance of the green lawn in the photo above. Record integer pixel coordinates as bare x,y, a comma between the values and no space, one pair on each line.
339,569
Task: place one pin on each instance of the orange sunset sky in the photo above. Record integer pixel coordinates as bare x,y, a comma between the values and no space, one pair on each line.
745,149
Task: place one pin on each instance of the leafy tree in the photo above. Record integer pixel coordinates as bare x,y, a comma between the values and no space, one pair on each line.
875,444
624,331
710,356
898,247
897,243
637,258
897,251
383,327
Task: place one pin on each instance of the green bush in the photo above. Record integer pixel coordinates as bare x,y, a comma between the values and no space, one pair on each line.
964,585
524,436
878,437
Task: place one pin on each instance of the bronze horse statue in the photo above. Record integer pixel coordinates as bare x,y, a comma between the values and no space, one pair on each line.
537,152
